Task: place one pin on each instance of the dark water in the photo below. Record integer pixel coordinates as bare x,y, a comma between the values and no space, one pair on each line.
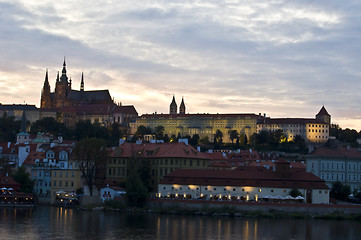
58,223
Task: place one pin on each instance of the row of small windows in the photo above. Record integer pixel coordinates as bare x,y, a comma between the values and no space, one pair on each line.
60,183
336,166
315,130
323,126
336,177
116,171
48,174
60,174
171,162
114,161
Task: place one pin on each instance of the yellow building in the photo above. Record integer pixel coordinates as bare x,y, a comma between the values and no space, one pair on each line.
314,130
205,125
67,180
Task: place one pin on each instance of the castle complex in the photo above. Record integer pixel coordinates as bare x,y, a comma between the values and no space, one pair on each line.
314,130
64,95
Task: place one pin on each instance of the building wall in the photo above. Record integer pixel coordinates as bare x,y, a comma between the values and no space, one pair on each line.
245,193
68,180
117,168
201,125
309,131
332,169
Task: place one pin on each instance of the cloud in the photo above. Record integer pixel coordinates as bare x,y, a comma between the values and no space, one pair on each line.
285,58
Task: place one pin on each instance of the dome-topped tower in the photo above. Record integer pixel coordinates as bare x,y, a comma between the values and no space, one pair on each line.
173,107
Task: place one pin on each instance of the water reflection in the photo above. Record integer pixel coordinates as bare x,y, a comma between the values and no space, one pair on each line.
60,223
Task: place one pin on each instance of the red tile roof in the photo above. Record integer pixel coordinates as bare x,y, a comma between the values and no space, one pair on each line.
246,176
99,109
9,182
337,152
158,150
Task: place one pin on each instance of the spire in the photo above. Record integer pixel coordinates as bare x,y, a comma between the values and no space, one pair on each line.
70,83
182,107
45,92
63,77
46,81
173,107
82,82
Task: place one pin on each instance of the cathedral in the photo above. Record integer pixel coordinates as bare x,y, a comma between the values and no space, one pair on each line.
64,95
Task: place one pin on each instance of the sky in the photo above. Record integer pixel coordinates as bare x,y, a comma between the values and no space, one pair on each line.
282,58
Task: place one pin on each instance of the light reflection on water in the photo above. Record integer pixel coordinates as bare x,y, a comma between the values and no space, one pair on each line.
59,223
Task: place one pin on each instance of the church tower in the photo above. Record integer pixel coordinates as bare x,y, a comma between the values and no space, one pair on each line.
182,108
173,107
62,88
324,116
82,83
45,101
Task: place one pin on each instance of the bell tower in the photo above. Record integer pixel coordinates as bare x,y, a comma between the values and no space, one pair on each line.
182,108
62,88
173,107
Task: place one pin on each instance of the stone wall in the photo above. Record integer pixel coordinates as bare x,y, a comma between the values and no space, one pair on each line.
266,208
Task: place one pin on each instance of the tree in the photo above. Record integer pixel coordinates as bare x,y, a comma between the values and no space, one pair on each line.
242,139
194,140
166,138
173,138
204,140
294,192
233,134
8,128
218,137
278,137
136,192
91,155
340,191
159,132
22,177
138,179
141,131
5,166
48,125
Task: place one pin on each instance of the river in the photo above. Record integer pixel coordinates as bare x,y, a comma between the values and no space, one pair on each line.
58,223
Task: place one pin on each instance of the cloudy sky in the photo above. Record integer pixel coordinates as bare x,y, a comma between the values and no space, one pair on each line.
282,58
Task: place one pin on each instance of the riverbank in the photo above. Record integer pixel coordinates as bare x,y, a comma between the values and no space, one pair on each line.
238,209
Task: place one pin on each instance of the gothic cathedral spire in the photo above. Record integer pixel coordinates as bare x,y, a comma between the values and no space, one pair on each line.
45,93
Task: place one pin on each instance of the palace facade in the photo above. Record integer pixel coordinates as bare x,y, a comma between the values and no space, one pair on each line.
315,130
